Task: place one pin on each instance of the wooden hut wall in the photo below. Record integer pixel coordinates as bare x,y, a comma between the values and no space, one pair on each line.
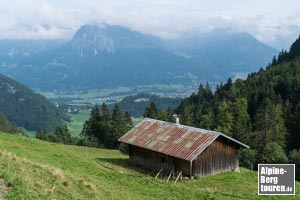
155,161
150,159
182,165
220,156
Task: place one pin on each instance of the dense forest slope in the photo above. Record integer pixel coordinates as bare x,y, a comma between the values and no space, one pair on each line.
262,111
55,171
25,108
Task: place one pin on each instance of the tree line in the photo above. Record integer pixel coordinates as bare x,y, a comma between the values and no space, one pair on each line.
101,130
7,126
136,104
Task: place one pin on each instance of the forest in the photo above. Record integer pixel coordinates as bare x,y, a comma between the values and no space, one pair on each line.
262,111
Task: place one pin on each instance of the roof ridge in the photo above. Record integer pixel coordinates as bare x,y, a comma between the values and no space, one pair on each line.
195,128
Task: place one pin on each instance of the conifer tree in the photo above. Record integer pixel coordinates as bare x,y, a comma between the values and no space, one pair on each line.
39,134
151,111
269,126
206,121
165,115
186,116
92,127
127,120
105,116
242,125
224,119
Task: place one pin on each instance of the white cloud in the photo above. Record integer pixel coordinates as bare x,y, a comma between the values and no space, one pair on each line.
273,23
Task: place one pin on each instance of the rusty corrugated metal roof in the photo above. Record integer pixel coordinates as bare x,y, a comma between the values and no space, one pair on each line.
171,139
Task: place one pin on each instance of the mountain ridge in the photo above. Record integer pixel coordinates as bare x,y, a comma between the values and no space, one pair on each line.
111,56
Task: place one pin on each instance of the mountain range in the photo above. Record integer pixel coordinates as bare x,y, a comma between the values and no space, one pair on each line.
108,56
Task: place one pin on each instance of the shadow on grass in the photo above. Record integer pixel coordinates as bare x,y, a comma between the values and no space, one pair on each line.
124,162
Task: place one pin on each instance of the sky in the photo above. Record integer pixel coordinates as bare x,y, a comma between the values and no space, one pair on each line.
276,23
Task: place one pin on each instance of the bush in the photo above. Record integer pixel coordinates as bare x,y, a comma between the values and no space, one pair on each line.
273,153
294,158
247,158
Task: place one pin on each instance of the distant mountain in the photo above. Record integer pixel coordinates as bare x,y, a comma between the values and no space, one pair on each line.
14,52
224,52
25,108
136,104
102,57
107,56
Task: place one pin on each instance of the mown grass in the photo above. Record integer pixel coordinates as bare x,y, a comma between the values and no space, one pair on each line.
34,169
77,121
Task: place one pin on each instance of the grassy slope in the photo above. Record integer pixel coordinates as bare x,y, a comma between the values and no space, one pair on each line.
34,169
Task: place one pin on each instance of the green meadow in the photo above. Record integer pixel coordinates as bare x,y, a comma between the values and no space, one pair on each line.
34,169
77,121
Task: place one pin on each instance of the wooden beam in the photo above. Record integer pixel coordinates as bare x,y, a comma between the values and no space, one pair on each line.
170,175
158,173
191,168
180,174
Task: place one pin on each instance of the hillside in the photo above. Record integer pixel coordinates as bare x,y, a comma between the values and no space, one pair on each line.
105,56
33,169
7,126
262,111
22,106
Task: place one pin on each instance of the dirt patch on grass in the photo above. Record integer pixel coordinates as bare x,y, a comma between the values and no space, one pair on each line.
3,189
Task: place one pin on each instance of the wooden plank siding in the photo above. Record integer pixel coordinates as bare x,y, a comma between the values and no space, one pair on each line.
154,161
220,156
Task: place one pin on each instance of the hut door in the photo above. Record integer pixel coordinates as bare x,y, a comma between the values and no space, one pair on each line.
166,163
162,160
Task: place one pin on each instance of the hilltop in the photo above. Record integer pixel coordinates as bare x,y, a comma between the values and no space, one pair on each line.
34,169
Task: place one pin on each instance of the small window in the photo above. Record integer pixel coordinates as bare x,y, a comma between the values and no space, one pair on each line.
162,159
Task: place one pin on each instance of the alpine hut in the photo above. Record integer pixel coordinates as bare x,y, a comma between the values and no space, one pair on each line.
168,147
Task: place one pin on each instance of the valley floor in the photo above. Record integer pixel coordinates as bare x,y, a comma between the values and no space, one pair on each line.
34,169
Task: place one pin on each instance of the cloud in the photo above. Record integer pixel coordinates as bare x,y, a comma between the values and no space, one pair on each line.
271,23
37,21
